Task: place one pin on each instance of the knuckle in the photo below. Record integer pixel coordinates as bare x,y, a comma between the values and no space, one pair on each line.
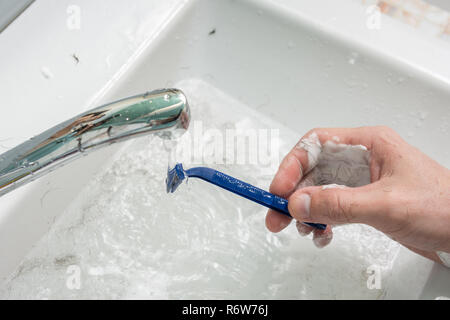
344,209
310,132
383,129
386,133
390,199
387,139
387,129
337,209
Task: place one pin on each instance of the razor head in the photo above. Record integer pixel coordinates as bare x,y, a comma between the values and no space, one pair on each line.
174,177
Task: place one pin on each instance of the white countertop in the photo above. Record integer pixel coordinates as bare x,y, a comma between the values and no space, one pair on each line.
42,83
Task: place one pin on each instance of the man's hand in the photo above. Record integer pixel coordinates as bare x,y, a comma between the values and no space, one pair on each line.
408,197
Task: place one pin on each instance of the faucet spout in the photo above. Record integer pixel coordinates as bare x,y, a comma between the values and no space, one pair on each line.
163,112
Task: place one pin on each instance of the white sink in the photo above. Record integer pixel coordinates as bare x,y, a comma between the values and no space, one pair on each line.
262,64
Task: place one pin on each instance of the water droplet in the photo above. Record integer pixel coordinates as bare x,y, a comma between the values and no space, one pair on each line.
353,58
352,82
389,78
400,80
166,97
423,115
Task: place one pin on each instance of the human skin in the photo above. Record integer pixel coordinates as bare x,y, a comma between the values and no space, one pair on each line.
408,198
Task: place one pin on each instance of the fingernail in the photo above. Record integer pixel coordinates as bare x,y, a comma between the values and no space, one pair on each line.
300,205
322,241
303,229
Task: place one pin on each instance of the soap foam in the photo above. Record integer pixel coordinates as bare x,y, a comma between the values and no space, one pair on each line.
313,147
340,164
333,186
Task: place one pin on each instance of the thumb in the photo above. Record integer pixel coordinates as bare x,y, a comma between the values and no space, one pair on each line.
337,205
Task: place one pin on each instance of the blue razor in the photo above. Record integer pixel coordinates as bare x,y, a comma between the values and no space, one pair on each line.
177,174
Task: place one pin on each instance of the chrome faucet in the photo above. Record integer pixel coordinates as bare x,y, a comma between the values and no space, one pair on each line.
161,111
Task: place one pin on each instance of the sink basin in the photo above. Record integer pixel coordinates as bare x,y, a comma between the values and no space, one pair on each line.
243,65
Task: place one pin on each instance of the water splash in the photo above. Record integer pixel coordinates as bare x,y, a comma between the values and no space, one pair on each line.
132,240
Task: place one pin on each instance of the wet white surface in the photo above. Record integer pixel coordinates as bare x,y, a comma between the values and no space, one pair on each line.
130,239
